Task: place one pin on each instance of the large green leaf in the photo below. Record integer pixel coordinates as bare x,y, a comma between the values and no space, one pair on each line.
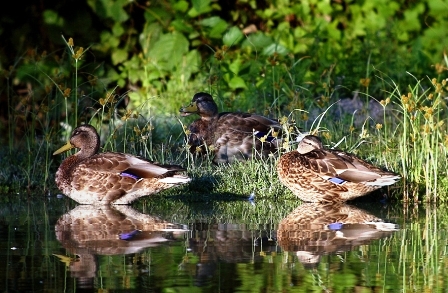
215,26
169,50
117,13
182,26
257,41
149,36
211,21
199,7
51,17
237,82
110,9
193,60
119,55
233,36
181,6
275,48
118,29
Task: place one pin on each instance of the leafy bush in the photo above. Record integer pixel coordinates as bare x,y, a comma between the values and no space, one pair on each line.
164,51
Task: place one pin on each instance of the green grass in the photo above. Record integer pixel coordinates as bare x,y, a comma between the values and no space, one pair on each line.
410,138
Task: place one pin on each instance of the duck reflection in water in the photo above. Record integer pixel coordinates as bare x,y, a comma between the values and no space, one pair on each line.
221,246
314,229
88,231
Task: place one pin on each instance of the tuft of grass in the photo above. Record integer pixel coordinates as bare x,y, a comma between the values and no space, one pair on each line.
417,136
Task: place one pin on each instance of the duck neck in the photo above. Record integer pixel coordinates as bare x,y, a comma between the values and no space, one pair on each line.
63,175
208,118
87,152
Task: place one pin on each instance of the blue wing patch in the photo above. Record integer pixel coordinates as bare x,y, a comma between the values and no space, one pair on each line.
124,174
130,235
335,226
337,180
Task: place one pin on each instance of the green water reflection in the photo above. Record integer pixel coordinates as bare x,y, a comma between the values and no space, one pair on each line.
170,245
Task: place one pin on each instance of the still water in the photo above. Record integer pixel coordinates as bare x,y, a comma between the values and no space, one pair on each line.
160,244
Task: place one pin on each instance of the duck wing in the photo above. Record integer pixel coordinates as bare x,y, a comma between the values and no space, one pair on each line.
337,164
128,165
246,123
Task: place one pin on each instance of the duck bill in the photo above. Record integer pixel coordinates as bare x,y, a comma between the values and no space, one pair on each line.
190,109
64,148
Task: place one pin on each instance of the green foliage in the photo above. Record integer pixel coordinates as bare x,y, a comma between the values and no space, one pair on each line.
169,43
286,59
176,46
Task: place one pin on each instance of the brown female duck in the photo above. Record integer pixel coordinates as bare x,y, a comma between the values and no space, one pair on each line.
315,174
89,177
229,136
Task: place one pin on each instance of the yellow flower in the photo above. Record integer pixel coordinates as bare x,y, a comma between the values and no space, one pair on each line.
137,130
67,92
439,88
364,134
385,102
78,53
365,82
426,129
446,140
404,99
283,120
127,115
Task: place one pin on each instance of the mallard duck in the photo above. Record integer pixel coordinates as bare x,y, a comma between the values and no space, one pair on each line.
89,177
230,136
113,229
315,229
315,174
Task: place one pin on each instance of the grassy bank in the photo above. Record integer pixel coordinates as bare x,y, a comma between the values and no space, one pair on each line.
403,130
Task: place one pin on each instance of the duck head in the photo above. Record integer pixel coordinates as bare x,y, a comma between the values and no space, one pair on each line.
201,104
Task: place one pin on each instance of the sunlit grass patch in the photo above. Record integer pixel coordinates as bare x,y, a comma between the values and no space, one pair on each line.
420,136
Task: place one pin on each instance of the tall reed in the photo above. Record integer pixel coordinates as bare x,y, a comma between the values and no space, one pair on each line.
422,134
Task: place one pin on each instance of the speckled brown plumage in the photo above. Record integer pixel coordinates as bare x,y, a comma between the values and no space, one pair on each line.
315,229
112,229
315,174
229,136
117,178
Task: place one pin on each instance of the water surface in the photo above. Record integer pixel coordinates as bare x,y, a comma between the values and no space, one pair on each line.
162,244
